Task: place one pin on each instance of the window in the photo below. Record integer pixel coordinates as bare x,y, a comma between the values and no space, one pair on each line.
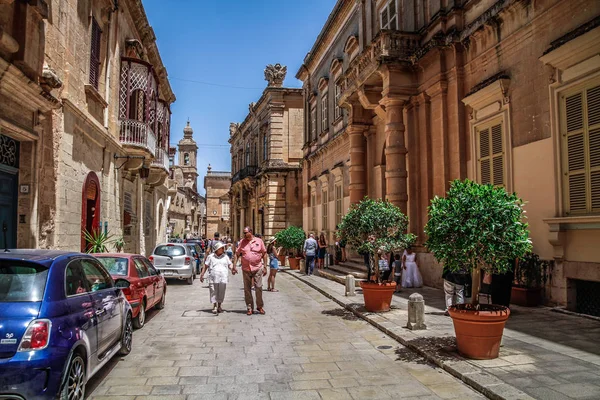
137,105
313,123
389,16
580,134
265,146
96,277
225,209
115,265
22,281
75,283
141,269
150,267
147,217
324,206
95,54
169,250
247,154
186,159
490,163
313,209
324,110
338,93
338,204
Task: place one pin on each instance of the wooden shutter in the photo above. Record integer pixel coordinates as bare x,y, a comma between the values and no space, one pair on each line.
581,132
491,155
95,54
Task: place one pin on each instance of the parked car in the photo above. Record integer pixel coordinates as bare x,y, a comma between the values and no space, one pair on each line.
62,319
198,255
147,287
174,260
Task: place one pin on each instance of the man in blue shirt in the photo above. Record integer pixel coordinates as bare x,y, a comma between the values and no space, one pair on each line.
310,251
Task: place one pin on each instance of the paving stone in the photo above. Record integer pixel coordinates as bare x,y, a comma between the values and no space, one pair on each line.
166,389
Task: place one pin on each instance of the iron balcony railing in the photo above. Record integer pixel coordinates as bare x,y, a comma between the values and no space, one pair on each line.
245,172
161,159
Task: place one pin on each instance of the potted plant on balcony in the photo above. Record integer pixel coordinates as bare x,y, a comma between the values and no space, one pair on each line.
477,228
531,275
370,227
292,239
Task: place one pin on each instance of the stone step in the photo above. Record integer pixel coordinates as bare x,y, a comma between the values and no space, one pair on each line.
336,276
342,269
356,265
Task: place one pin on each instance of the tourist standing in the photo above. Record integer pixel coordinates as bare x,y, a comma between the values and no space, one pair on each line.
218,265
310,252
454,287
252,252
273,265
322,250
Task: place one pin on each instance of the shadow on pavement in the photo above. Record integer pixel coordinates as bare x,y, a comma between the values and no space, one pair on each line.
340,312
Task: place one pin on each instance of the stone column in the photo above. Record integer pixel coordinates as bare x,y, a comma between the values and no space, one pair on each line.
395,151
357,162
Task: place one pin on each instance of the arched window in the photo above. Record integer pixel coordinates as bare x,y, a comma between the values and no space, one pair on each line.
265,146
247,154
186,158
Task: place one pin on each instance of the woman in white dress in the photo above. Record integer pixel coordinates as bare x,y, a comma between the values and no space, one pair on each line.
411,276
218,265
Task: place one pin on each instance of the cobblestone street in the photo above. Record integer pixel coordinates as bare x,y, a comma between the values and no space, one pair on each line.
305,347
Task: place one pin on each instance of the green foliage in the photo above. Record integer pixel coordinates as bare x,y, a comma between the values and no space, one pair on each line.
97,241
375,225
532,272
379,220
477,227
119,244
291,238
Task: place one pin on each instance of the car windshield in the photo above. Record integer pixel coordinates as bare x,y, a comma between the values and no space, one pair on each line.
21,281
115,265
169,251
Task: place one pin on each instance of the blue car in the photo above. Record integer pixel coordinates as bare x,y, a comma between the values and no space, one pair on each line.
62,317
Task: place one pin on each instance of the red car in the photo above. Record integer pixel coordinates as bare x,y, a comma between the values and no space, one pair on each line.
147,289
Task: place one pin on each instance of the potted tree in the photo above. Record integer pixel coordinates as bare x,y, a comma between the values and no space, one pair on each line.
370,227
292,239
477,228
530,277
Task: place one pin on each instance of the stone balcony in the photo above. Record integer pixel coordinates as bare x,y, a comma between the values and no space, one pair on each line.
246,172
387,47
159,168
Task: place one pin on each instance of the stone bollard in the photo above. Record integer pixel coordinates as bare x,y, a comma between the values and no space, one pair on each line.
350,285
416,312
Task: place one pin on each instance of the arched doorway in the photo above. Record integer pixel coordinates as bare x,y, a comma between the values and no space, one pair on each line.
90,207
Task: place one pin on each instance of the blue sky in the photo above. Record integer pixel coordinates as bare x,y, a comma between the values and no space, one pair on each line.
228,43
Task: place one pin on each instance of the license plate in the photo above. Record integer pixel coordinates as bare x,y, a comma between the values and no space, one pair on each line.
168,263
167,273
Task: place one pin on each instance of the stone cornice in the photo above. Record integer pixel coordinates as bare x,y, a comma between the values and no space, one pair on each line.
146,33
23,90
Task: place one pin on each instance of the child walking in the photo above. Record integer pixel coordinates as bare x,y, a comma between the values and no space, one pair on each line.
218,266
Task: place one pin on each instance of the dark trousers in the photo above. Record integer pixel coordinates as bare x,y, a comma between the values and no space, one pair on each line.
502,288
310,264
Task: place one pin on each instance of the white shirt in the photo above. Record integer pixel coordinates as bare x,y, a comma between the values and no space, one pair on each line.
218,267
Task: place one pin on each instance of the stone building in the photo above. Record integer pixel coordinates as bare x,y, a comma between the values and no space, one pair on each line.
266,156
499,91
187,208
217,185
86,107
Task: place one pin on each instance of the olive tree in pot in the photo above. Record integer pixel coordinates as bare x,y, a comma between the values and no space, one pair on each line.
477,228
369,227
292,239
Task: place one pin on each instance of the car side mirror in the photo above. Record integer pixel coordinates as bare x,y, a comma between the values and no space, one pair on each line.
158,272
122,283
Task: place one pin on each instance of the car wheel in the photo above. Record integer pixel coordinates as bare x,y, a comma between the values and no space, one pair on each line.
140,320
161,303
127,337
74,387
190,280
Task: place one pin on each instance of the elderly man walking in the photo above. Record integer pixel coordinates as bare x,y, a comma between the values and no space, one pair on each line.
310,252
252,251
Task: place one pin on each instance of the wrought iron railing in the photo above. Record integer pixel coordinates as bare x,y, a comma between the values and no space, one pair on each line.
161,159
137,133
245,172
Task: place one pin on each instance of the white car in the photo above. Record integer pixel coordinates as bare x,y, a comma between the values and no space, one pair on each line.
174,260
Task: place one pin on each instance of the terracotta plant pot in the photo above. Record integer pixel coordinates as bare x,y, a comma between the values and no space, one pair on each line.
294,262
526,297
281,260
479,332
378,296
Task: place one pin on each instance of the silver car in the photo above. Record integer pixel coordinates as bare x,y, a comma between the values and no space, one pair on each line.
174,260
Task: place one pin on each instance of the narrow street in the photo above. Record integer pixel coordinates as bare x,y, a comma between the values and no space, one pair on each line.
305,347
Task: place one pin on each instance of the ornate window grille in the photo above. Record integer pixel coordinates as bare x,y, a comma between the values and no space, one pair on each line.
162,130
138,102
